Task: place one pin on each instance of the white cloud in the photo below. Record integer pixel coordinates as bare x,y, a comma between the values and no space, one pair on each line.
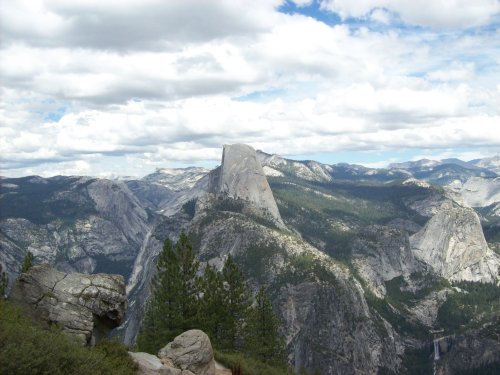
439,14
302,3
283,83
381,15
132,24
455,72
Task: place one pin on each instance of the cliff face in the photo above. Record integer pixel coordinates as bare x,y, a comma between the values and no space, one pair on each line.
453,244
352,257
86,306
75,223
327,322
381,253
240,176
468,351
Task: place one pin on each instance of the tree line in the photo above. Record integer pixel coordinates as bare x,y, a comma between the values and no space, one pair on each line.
218,302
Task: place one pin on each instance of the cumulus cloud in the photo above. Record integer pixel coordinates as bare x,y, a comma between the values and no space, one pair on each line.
122,87
132,24
438,14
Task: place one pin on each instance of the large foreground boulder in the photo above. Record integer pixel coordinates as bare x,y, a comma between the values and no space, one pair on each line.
149,364
190,351
189,354
86,306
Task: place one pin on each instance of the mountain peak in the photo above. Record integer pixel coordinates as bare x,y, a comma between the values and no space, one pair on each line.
241,176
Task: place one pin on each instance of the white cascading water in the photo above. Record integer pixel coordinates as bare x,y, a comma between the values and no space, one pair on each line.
436,349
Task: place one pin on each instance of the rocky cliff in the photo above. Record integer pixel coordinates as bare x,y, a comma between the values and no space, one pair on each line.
326,320
86,306
240,176
355,258
453,244
75,223
381,253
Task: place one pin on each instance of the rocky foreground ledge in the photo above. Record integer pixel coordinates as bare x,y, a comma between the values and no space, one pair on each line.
87,307
190,353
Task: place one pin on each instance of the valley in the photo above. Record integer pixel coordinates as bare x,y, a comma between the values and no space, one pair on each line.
365,267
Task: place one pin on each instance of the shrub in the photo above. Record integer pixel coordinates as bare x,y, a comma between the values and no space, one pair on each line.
26,348
249,366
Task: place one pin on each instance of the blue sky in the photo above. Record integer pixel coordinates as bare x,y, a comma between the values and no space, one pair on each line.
121,88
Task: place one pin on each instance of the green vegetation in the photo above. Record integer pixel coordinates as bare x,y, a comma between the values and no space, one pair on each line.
224,306
399,296
485,369
43,201
229,204
418,361
4,281
256,259
236,303
217,303
247,365
26,348
27,262
476,304
172,308
394,314
395,317
190,207
304,267
304,371
263,340
329,215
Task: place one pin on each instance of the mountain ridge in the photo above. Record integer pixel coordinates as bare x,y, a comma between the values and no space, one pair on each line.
341,263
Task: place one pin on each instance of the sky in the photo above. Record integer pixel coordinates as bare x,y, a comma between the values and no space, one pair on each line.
108,87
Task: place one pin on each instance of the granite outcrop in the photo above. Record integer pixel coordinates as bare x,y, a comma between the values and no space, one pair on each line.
87,307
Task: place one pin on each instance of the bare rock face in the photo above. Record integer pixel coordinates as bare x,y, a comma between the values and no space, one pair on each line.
190,351
241,176
87,306
381,253
467,351
149,364
453,244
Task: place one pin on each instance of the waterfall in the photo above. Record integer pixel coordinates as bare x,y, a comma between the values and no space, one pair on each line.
140,260
436,349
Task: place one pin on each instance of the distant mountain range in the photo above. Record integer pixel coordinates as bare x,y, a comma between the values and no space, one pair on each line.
363,264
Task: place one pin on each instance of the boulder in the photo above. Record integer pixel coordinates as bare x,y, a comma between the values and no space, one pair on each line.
190,351
151,365
86,306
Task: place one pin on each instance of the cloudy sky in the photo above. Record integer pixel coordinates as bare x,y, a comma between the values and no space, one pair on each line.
99,87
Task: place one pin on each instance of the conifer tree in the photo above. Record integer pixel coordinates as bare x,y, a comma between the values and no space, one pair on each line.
27,262
4,281
213,309
189,283
172,306
237,303
263,340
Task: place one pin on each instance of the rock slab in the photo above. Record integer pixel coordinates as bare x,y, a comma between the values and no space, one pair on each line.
241,176
191,351
453,244
86,306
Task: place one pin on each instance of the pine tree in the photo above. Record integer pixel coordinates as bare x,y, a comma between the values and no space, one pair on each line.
4,281
189,283
213,309
263,340
27,262
237,303
174,289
